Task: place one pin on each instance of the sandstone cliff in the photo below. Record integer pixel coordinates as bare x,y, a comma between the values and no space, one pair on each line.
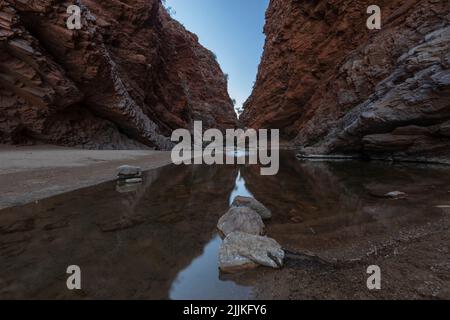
126,79
332,86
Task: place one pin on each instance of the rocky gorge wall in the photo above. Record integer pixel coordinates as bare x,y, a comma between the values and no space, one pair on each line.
332,86
126,79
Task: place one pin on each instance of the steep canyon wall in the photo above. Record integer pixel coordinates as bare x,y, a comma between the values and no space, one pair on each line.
126,79
333,86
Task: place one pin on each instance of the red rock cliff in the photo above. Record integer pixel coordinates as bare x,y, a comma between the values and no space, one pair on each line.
128,78
334,86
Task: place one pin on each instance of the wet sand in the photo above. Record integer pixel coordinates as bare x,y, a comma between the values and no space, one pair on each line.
29,174
413,266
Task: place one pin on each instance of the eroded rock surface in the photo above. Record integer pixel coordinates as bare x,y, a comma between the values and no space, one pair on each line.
128,78
241,219
242,251
253,204
334,87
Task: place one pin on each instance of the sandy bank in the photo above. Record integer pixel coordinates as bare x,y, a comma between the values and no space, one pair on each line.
32,173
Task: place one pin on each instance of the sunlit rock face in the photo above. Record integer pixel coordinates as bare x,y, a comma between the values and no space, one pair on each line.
126,79
331,85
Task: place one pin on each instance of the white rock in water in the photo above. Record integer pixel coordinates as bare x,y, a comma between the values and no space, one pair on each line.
129,171
242,251
241,219
396,195
254,204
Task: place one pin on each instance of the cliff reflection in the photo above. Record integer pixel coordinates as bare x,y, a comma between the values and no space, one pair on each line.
129,245
337,209
159,241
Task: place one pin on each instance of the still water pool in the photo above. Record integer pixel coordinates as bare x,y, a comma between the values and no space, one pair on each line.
160,242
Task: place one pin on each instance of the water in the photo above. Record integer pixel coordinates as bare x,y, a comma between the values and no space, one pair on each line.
240,189
160,241
201,279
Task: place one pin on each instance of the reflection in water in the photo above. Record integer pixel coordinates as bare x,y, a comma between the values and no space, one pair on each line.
200,280
240,189
155,242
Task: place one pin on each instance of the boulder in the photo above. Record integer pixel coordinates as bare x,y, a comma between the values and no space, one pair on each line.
254,204
242,251
129,172
380,190
241,219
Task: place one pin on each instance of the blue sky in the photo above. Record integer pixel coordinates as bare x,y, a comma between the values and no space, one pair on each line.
233,30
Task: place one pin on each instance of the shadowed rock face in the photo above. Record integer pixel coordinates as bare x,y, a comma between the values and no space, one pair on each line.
128,78
333,86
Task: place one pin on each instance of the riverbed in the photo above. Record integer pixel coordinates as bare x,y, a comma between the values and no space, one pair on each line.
159,241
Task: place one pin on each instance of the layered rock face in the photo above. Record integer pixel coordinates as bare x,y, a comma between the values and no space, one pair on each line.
333,86
126,79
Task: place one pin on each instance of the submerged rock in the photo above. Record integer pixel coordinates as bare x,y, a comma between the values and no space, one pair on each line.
242,251
133,181
127,188
241,219
129,172
396,195
129,179
253,204
381,191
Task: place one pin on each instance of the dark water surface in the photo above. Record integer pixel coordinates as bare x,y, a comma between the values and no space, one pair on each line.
160,242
